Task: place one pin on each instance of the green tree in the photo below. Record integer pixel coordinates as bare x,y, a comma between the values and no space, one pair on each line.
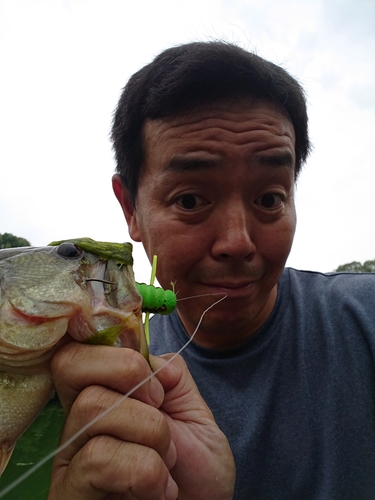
357,267
8,240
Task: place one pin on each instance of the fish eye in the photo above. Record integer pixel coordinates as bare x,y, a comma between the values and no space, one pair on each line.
69,251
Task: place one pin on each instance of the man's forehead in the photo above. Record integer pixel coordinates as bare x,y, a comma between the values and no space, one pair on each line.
237,110
256,133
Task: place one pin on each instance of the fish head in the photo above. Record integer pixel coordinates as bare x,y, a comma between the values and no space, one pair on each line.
66,287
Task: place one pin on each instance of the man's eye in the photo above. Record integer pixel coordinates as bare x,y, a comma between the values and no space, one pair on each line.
188,201
270,200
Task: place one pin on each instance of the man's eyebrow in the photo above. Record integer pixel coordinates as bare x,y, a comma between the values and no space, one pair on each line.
277,160
180,163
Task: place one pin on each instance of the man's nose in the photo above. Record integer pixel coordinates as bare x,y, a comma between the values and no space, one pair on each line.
233,233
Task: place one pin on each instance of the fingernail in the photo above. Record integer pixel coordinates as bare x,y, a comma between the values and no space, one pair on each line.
171,456
156,392
171,493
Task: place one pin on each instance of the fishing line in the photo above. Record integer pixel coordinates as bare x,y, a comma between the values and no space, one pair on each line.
28,473
203,295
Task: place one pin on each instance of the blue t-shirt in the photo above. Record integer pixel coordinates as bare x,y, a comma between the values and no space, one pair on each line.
297,400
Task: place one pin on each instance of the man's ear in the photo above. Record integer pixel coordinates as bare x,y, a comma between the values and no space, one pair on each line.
123,196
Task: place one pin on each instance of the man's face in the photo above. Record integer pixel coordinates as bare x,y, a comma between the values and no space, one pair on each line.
215,204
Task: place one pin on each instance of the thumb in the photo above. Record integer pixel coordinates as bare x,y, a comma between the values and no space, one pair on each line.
182,399
204,467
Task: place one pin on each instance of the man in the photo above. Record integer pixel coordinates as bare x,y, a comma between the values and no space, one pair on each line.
209,141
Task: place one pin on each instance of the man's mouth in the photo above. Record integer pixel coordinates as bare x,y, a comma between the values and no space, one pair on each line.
232,285
231,288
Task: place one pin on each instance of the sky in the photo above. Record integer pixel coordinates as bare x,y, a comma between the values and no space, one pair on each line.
63,65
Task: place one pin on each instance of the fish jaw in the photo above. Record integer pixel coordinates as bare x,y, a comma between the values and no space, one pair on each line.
128,333
115,313
26,337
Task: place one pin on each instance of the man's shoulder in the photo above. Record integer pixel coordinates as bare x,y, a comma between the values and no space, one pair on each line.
328,282
334,296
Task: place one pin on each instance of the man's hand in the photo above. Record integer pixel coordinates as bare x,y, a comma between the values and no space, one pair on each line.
161,435
204,467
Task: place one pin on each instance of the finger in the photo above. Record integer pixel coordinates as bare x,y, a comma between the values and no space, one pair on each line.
98,410
107,465
76,366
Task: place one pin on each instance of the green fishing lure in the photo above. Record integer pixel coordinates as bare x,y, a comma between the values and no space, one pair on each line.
156,300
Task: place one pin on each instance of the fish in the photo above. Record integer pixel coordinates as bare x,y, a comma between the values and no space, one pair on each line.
79,287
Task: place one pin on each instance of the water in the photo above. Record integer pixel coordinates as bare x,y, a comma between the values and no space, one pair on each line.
39,439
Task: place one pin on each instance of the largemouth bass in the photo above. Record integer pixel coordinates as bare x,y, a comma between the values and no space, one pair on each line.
80,287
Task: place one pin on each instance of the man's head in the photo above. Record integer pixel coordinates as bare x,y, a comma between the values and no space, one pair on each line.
189,76
209,140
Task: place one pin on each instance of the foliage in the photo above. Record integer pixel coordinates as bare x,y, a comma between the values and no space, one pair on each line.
357,267
38,441
8,240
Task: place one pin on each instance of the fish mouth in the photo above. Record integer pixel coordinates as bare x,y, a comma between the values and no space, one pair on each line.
111,286
114,316
119,330
113,295
41,333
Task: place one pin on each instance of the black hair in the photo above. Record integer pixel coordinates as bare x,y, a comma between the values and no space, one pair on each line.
192,75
